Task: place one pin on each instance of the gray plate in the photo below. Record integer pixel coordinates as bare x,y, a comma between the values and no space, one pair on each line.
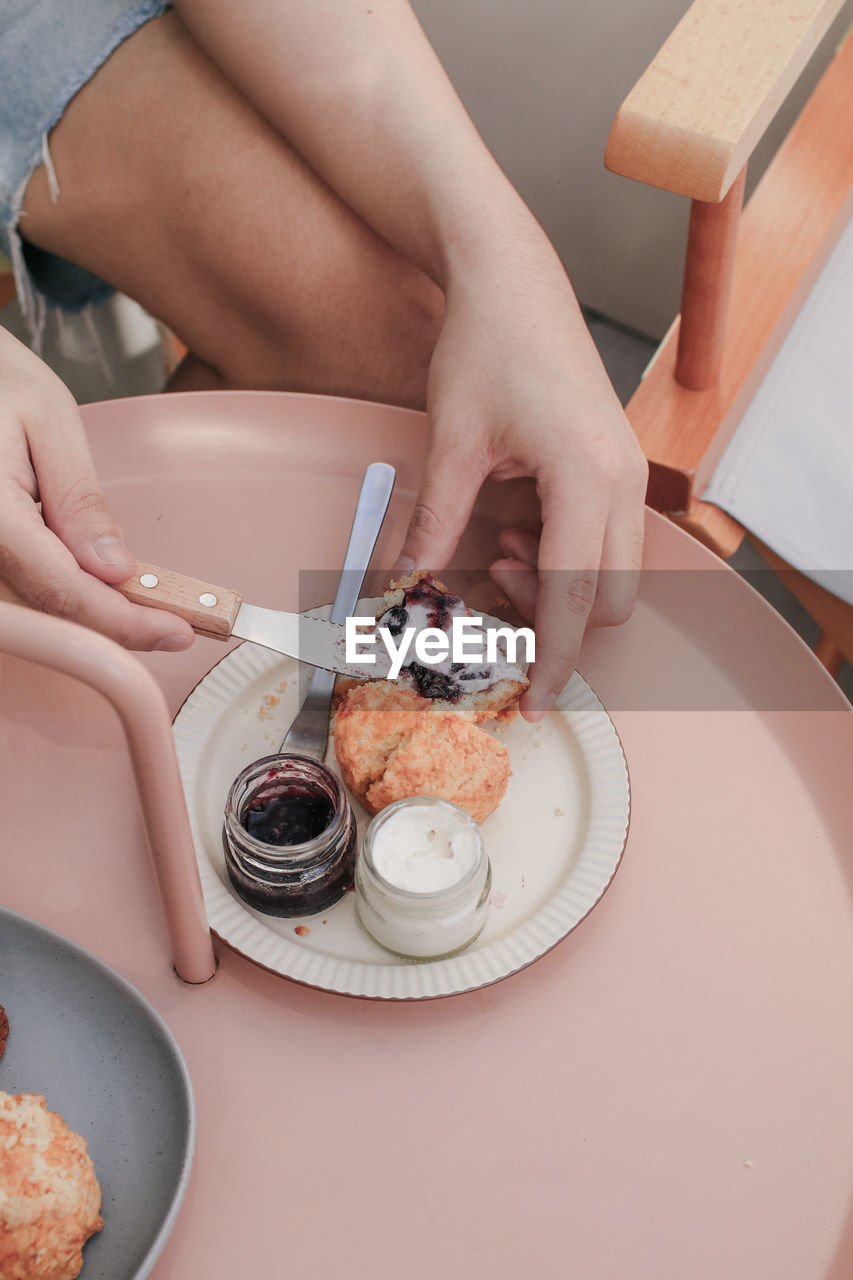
104,1059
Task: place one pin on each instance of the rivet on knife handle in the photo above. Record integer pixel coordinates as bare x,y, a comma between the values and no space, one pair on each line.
207,608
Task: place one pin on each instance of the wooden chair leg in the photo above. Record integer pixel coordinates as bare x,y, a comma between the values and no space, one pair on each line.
711,243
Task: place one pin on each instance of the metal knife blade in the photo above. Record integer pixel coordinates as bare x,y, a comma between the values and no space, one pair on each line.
322,644
220,613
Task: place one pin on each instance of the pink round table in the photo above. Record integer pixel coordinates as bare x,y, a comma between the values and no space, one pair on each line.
666,1094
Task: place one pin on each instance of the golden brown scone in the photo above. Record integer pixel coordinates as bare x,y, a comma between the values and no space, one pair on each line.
390,743
500,702
49,1196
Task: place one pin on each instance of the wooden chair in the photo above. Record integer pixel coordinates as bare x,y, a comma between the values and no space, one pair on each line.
690,126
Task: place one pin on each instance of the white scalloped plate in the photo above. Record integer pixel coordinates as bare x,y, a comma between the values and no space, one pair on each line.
555,842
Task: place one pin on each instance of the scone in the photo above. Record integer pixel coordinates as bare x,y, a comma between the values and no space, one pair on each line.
477,691
50,1200
390,743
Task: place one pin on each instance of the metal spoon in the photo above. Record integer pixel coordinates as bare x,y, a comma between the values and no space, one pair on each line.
309,732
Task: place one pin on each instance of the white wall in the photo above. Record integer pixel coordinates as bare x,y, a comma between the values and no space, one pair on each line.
543,80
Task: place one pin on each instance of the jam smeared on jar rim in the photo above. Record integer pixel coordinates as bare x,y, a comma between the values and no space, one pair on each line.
287,813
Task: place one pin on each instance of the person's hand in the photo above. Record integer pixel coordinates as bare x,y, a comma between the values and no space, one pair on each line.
516,388
61,558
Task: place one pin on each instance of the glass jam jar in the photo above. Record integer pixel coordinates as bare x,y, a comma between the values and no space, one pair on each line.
289,836
422,878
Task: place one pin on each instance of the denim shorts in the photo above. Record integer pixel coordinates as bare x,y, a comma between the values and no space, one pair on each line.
49,49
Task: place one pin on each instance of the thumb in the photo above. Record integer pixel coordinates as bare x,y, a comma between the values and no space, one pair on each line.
447,494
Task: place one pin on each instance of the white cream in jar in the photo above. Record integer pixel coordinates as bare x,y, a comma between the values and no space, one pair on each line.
423,878
425,847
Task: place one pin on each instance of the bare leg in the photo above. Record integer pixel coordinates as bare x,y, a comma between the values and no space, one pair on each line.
176,190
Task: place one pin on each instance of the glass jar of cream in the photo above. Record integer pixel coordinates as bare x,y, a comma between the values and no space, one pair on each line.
289,836
423,878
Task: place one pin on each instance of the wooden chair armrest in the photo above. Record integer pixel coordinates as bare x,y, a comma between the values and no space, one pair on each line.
694,117
788,229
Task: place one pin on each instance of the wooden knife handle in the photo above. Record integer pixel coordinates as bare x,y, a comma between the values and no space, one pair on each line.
208,609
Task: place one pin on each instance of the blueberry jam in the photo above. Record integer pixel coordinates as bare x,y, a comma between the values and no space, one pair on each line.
425,605
289,836
433,684
287,814
440,604
395,620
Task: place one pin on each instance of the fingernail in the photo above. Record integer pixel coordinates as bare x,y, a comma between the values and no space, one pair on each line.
403,564
174,644
112,551
540,710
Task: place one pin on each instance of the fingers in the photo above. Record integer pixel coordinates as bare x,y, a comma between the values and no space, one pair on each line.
519,583
451,482
563,609
45,575
73,506
564,602
621,561
517,575
521,545
618,577
569,553
54,558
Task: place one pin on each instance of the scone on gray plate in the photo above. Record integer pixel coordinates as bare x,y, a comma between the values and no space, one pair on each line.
50,1200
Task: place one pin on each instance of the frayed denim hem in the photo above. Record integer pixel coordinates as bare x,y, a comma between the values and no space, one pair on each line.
43,279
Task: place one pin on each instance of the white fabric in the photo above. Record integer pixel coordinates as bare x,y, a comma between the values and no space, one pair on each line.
787,475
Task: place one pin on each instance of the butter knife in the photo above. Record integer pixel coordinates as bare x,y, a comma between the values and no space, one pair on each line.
222,614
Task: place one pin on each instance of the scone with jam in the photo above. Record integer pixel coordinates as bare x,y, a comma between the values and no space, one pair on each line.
420,734
477,690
